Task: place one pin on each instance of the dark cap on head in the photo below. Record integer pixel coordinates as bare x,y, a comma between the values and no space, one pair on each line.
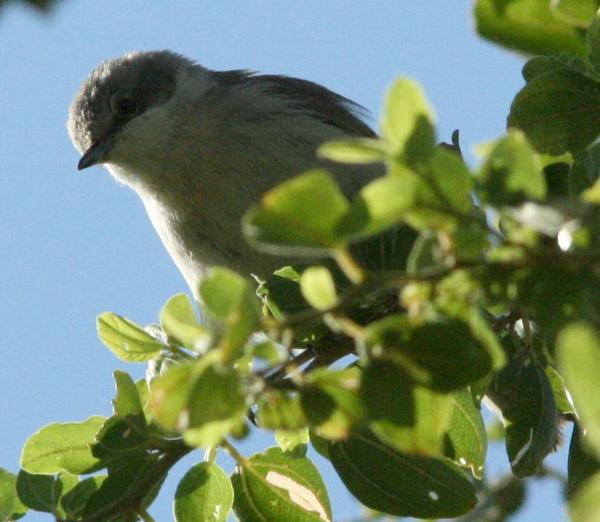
119,90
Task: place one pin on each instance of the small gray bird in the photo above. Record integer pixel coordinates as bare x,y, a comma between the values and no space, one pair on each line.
200,147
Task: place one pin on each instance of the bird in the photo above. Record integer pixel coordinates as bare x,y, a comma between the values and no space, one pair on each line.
199,147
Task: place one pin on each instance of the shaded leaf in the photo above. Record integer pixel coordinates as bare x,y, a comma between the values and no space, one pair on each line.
407,418
581,465
524,395
442,355
330,401
559,111
74,501
38,492
401,484
123,478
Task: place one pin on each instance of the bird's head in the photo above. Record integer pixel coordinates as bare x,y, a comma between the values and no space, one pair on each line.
118,93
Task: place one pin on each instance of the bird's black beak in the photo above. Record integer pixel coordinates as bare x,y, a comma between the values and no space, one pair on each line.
95,154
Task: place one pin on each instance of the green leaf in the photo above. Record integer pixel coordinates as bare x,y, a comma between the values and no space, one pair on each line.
578,357
216,406
592,194
230,298
524,395
11,508
426,254
204,493
293,441
299,216
127,340
575,12
221,292
354,150
120,437
62,447
39,492
178,321
558,111
278,410
330,401
127,401
318,287
274,485
561,397
593,42
528,26
581,465
123,478
169,396
443,355
401,484
407,122
381,204
512,173
466,434
585,506
282,295
452,179
74,501
407,418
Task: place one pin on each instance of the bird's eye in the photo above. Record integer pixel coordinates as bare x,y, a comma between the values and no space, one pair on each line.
123,106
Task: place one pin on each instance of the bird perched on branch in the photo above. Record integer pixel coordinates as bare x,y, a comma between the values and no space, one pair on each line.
200,147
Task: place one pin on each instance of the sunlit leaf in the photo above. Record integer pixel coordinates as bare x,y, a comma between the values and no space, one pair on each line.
466,434
127,340
62,447
11,508
298,216
178,321
318,287
407,122
274,485
354,150
204,493
578,356
528,26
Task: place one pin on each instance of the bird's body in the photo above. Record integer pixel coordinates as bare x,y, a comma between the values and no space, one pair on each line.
200,147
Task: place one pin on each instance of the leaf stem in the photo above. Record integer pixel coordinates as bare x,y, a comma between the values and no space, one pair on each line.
233,453
352,270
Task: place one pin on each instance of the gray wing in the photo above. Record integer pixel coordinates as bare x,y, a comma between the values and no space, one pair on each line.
330,107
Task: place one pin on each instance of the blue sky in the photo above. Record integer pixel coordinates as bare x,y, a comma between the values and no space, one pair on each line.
75,244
